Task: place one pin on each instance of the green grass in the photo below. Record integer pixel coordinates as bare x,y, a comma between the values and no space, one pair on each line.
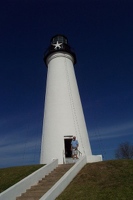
108,180
10,176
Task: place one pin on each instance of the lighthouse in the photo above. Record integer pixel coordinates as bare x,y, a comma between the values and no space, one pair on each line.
63,113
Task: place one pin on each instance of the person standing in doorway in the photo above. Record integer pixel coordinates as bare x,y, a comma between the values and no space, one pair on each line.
74,147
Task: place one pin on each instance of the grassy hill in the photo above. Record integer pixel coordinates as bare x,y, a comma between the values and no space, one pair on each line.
107,180
10,176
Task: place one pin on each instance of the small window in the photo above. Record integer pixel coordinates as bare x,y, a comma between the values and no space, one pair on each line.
60,39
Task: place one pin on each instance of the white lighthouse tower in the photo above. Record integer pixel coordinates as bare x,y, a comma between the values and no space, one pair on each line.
63,114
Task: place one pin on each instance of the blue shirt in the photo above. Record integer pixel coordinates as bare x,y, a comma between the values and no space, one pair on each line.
74,143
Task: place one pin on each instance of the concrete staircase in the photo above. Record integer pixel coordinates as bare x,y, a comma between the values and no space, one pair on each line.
37,191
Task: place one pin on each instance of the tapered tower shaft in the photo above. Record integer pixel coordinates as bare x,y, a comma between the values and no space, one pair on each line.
63,113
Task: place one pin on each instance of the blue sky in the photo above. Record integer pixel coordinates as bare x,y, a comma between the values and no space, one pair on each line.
101,34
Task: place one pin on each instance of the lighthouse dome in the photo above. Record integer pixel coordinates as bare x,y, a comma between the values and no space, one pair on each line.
59,43
60,39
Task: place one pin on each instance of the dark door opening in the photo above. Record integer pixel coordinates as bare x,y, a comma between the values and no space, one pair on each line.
68,152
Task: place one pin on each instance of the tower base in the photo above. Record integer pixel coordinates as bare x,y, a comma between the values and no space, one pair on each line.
94,158
90,159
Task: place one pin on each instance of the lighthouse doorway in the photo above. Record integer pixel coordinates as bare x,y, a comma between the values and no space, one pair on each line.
67,144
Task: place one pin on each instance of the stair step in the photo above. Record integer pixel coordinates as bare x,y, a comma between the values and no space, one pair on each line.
37,191
31,194
27,198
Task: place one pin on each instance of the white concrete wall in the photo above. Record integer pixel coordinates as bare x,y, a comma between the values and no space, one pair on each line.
94,158
20,187
63,114
58,188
